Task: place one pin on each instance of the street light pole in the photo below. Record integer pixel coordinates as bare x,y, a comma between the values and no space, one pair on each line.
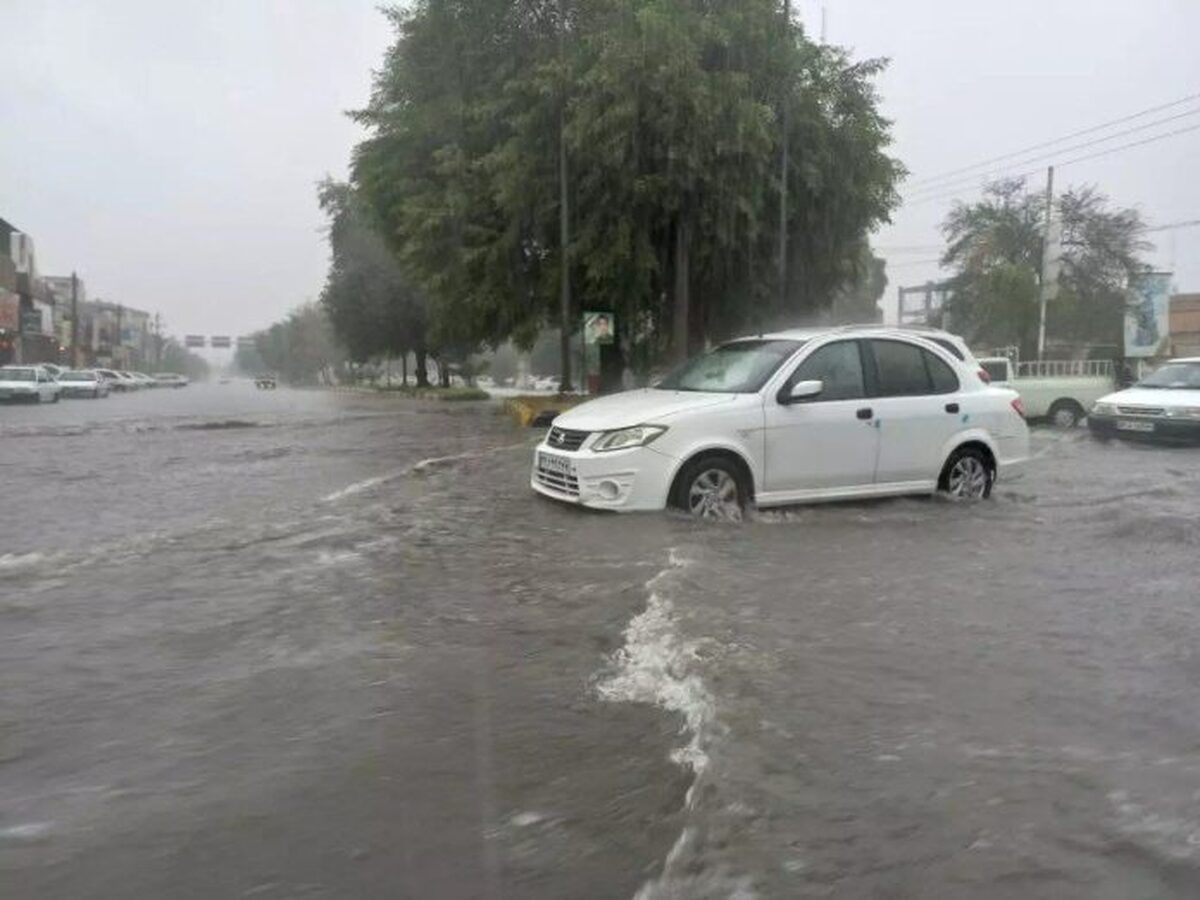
74,321
1048,272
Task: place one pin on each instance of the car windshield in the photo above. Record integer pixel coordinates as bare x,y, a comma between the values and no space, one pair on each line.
17,375
1174,376
741,367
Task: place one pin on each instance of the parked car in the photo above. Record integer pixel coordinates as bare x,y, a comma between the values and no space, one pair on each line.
805,415
143,379
130,382
170,379
29,383
265,381
83,383
1164,406
1061,391
52,368
115,381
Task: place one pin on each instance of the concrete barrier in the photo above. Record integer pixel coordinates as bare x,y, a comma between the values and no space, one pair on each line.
539,411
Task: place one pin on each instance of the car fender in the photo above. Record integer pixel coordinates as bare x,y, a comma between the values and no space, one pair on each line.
966,436
739,447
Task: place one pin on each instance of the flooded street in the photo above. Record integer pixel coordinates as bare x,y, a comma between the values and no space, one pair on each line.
309,644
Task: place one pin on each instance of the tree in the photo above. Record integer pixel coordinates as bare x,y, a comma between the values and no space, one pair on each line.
995,247
301,348
858,300
373,308
668,113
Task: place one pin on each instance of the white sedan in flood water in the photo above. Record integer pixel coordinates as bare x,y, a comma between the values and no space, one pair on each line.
29,383
806,415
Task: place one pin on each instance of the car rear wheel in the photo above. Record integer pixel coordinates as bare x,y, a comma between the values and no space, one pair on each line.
968,475
711,487
1066,413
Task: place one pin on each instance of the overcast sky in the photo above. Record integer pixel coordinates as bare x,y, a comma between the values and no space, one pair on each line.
168,151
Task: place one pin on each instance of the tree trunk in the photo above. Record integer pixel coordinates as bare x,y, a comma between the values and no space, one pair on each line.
404,369
443,374
564,229
422,368
682,299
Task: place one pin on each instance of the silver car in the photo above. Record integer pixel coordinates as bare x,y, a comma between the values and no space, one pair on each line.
83,383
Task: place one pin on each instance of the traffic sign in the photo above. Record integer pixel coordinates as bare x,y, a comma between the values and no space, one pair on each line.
194,340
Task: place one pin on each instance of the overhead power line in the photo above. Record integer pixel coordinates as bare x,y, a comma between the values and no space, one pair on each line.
1174,225
1054,154
1066,162
1066,137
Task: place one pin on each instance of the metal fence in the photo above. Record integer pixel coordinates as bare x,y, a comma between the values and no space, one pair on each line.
1048,368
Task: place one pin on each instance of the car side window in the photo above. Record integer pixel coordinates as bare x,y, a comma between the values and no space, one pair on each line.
941,375
901,368
839,366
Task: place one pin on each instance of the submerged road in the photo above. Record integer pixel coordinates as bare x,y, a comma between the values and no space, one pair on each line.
308,644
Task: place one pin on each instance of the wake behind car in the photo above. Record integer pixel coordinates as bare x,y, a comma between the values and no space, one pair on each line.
805,415
83,383
1162,407
29,383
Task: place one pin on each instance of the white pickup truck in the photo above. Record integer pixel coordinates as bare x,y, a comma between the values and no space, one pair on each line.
1062,391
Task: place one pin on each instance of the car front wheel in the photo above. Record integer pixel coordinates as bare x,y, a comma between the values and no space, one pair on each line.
711,487
968,475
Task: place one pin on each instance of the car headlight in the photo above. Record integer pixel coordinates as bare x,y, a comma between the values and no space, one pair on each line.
637,436
1104,409
1183,412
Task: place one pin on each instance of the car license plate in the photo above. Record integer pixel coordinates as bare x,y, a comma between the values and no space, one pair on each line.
559,465
1125,425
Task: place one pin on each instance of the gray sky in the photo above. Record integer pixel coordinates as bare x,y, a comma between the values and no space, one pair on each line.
168,151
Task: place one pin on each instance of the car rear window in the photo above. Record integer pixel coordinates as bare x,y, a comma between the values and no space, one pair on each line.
950,347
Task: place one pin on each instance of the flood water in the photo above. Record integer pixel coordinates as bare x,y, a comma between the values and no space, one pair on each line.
310,644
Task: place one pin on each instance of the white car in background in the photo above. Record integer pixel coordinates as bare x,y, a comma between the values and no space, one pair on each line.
1164,406
170,379
83,383
805,415
30,383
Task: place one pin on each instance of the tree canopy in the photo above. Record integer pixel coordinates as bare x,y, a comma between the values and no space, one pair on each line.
995,248
670,116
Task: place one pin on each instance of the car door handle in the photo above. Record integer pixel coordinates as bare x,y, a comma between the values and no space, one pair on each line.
865,413
951,407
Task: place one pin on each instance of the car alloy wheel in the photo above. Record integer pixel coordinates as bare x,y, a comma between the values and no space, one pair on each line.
969,478
713,494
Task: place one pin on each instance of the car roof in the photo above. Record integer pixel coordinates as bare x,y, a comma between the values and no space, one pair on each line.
806,334
1185,359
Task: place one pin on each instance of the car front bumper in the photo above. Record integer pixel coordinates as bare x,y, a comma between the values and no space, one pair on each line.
626,480
1146,428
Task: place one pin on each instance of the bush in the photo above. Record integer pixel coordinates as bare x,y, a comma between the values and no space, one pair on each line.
436,393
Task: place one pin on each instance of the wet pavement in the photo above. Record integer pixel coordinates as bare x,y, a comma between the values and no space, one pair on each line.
308,644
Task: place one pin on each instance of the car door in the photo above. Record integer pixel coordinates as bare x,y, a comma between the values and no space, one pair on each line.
828,441
918,408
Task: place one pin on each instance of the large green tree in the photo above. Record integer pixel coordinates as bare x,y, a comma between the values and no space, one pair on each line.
667,118
374,309
995,248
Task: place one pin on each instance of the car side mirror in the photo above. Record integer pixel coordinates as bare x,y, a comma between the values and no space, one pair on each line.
805,390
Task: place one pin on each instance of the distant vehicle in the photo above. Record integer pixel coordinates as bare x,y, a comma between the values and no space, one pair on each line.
83,383
1164,406
171,379
54,370
798,416
115,382
129,380
29,383
485,382
143,379
548,383
1059,390
265,382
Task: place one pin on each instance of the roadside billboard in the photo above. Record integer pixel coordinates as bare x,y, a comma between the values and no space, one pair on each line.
598,327
1147,315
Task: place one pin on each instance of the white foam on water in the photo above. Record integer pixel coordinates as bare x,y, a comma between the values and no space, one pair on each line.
29,831
657,665
11,561
433,462
358,487
1172,837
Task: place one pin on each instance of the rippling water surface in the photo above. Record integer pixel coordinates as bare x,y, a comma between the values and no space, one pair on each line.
304,644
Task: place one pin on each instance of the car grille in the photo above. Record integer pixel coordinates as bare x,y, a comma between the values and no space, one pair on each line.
558,481
566,439
1140,410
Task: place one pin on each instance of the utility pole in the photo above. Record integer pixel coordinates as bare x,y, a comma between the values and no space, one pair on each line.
564,219
74,321
117,361
785,120
1049,275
